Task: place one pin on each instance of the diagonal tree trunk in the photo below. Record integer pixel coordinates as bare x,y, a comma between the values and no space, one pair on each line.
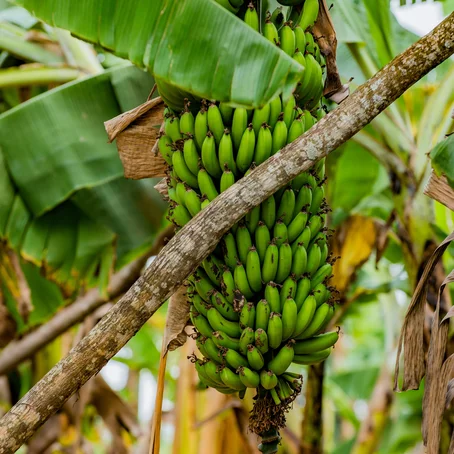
200,236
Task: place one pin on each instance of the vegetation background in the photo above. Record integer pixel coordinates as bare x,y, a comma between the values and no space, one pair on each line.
69,220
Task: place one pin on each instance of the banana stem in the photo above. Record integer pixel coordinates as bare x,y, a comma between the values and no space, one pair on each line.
270,441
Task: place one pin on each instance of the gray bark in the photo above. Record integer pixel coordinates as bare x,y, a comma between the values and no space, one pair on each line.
193,243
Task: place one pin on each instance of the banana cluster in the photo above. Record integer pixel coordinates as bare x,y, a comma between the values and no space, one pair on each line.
261,301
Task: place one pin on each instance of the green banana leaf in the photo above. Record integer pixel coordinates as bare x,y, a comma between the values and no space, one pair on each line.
190,46
443,159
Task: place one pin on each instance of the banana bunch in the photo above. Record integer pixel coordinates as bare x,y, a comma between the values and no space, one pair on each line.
262,300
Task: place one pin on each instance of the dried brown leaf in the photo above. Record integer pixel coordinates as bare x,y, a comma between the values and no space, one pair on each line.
438,188
177,319
412,333
162,188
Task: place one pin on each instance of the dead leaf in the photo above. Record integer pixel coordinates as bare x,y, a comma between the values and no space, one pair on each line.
438,188
353,242
162,188
177,318
412,332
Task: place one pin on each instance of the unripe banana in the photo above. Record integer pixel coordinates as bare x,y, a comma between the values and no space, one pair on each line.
227,180
246,150
318,194
172,194
262,239
239,125
212,270
280,232
199,305
270,32
227,4
304,239
297,226
221,339
325,252
226,113
205,202
200,345
302,291
181,193
299,57
286,206
241,281
226,152
182,170
255,357
209,157
262,314
228,286
296,129
201,323
224,307
180,216
206,185
215,124
274,330
214,354
316,343
260,117
284,263
264,144
305,315
268,214
251,17
247,337
172,128
204,286
247,316
253,270
187,123
289,315
192,202
268,379
270,262
288,290
283,389
243,242
279,134
277,402
310,43
299,263
249,378
321,294
322,273
314,90
282,360
273,297
234,359
309,14
320,166
313,258
289,110
261,340
312,358
164,145
304,198
231,256
287,39
191,156
253,219
231,379
201,126
317,322
275,110
309,121
300,38
219,323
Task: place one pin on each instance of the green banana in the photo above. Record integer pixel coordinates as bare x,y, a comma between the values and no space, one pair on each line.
264,144
206,185
321,294
317,322
268,379
275,330
201,125
221,339
325,252
262,314
234,359
322,273
302,291
297,226
314,255
212,270
172,128
246,150
201,323
200,345
212,371
284,263
239,125
181,196
277,402
187,122
249,378
286,206
289,314
316,343
316,223
287,39
280,232
253,218
199,305
228,286
204,286
275,110
270,262
182,170
209,157
231,256
261,340
226,112
255,357
247,316
312,358
305,315
309,14
247,337
253,270
283,358
288,290
230,379
309,121
213,352
191,156
300,38
241,281
243,241
252,18
219,323
296,129
273,297
215,123
304,239
289,111
280,132
299,262
228,5
310,43
164,146
270,31
304,198
205,202
224,307
268,213
262,239
192,202
226,157
260,117
180,216
318,194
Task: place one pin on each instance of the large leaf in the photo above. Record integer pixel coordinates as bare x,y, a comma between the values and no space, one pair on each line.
196,46
61,145
443,159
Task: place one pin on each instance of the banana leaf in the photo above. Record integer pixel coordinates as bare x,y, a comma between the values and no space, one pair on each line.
190,46
443,159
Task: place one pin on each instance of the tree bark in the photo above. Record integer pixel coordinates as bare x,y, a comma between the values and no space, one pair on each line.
199,237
